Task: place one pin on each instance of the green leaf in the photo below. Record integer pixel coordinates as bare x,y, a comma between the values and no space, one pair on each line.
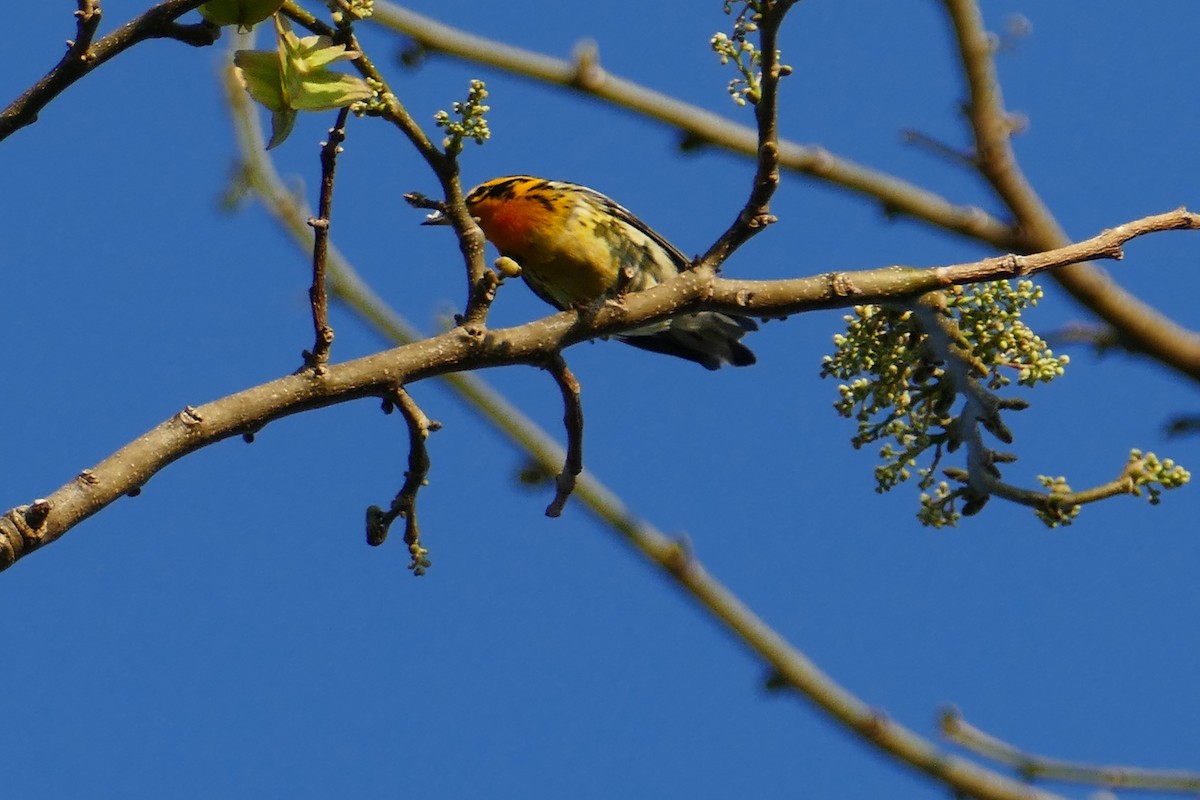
262,76
294,77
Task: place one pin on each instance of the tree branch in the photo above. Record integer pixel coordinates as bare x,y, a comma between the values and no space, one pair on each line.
1032,767
1140,326
317,295
82,56
532,343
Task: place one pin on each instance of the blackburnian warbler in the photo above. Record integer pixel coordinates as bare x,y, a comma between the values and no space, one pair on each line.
571,244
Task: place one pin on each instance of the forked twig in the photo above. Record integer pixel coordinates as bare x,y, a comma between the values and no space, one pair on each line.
443,164
755,215
564,483
83,55
405,502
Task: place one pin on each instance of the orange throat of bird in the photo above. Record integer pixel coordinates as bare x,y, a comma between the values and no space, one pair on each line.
512,225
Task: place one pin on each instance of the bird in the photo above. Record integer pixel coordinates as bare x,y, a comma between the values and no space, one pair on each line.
572,243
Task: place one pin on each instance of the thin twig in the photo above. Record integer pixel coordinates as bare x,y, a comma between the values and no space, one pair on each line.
564,483
755,215
443,164
1033,767
418,200
317,295
83,56
930,144
1061,503
405,502
87,21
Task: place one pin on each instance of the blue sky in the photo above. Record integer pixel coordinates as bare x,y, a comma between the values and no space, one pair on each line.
229,633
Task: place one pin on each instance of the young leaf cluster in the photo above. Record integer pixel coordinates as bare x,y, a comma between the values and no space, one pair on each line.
746,57
471,122
898,389
989,315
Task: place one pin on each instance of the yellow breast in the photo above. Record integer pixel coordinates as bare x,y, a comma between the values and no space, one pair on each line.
570,242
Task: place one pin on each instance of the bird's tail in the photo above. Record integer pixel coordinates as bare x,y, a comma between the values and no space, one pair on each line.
709,338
